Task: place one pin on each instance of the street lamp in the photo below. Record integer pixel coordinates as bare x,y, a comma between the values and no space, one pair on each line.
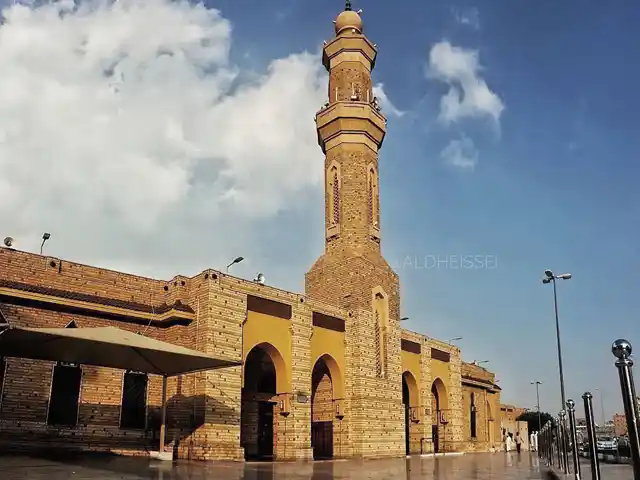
235,260
537,384
454,340
601,406
475,362
404,319
551,278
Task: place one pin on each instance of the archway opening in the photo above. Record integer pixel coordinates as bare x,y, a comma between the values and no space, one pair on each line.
472,417
407,416
410,401
439,406
322,410
258,401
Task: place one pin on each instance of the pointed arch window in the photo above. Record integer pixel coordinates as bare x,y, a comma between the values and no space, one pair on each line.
336,196
472,415
333,188
374,201
381,312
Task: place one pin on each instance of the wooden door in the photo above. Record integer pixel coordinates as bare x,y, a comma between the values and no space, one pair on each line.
322,440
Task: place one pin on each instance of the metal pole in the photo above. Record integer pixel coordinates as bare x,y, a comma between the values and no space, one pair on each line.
555,304
563,440
163,421
558,444
571,405
622,350
565,455
591,432
538,405
604,421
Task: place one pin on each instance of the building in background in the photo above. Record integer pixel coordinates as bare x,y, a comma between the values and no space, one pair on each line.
620,425
328,373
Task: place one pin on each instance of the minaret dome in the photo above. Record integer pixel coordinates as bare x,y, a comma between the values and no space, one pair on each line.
348,20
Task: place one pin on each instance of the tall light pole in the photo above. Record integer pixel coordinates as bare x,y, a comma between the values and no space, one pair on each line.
601,406
537,384
551,278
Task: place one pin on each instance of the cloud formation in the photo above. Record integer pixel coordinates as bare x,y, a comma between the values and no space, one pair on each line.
467,17
469,96
127,120
388,107
460,153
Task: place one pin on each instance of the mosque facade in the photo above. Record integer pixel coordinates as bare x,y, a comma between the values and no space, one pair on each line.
325,374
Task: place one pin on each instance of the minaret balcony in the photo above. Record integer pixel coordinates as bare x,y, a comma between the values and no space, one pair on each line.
350,118
343,47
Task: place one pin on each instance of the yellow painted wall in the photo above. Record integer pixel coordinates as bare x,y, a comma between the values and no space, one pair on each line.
411,363
260,328
331,343
440,370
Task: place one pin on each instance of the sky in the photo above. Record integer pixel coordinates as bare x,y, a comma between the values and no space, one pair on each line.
164,138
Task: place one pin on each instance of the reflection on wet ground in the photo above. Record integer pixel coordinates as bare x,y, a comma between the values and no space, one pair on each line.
480,466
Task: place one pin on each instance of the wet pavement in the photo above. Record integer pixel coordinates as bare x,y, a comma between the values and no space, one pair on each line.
608,471
479,466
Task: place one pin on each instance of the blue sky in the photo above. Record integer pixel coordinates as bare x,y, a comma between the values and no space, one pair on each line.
554,190
545,176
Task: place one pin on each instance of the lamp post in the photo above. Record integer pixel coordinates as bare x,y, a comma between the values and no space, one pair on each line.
235,260
604,422
537,384
551,278
455,339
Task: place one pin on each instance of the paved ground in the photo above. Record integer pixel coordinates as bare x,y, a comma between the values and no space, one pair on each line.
487,466
608,471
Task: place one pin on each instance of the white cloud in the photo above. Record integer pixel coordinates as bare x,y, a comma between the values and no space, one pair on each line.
468,17
126,130
469,95
387,106
461,153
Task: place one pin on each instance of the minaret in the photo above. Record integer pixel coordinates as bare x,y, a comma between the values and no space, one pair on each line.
351,129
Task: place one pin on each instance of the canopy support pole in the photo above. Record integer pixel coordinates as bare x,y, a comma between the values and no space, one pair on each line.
163,420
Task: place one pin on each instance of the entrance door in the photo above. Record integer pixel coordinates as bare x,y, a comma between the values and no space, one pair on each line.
265,430
407,439
434,438
322,440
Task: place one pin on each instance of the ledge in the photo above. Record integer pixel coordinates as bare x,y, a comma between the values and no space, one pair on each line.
93,305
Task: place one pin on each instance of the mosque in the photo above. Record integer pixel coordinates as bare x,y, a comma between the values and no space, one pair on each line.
325,374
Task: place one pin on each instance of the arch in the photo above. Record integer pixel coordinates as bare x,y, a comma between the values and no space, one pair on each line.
489,411
335,374
374,196
380,307
281,370
325,377
412,387
472,416
333,191
439,391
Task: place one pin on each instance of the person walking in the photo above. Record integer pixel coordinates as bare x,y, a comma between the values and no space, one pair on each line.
518,440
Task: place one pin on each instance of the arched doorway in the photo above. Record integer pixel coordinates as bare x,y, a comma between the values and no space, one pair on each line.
322,408
258,401
439,406
410,401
